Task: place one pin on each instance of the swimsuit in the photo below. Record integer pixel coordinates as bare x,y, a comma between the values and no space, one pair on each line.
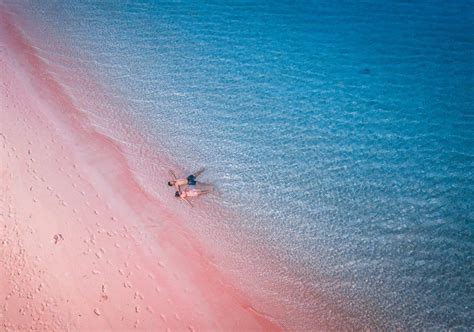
191,180
192,193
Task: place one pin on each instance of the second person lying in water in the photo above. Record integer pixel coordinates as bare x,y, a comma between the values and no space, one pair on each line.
191,192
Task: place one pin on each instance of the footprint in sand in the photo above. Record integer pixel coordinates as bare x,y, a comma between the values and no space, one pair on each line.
58,237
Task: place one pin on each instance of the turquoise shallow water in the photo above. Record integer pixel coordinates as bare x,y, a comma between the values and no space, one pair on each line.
341,132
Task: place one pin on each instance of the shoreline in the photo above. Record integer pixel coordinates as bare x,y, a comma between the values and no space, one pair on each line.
78,246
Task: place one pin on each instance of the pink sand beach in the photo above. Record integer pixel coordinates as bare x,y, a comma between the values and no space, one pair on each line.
76,248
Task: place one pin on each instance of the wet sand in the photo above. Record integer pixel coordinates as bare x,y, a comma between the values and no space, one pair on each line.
82,245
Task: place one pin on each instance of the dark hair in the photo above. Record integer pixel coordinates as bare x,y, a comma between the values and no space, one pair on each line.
176,194
170,184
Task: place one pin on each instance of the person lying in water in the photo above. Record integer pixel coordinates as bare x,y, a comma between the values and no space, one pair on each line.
189,181
191,192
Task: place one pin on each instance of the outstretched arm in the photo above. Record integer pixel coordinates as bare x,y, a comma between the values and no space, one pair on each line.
187,201
173,176
199,172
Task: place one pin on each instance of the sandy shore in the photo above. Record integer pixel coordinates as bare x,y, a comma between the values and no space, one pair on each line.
82,246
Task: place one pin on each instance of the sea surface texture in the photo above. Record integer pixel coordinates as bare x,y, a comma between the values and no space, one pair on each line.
338,134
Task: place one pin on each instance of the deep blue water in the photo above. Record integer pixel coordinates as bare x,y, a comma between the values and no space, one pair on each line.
343,131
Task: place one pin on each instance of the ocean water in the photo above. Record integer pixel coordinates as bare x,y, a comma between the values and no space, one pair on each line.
338,134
